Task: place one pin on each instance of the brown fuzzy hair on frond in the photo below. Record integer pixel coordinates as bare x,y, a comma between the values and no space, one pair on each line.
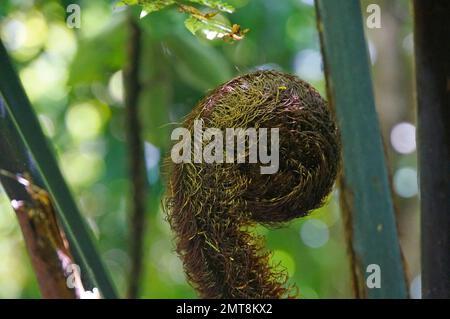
211,208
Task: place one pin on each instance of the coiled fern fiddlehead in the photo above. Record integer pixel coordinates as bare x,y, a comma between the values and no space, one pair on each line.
211,207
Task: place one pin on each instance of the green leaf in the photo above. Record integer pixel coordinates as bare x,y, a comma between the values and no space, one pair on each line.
126,3
156,5
149,5
193,24
27,126
215,4
213,28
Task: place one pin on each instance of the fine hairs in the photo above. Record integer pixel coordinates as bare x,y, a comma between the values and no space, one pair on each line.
211,207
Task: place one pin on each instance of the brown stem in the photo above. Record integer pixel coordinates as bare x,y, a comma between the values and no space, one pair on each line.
43,236
137,170
47,246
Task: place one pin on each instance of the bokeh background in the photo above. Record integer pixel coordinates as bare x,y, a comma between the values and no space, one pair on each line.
74,80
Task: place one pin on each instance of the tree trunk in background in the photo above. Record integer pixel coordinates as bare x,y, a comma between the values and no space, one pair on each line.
432,46
137,169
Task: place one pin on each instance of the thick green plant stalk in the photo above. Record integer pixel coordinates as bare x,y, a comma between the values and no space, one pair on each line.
365,191
27,126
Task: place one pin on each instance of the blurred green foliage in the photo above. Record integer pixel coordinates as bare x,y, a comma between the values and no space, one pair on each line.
74,80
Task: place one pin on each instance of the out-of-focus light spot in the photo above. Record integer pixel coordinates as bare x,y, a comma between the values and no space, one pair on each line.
15,204
47,125
285,260
372,52
45,74
405,182
117,255
115,87
97,146
314,233
268,66
415,289
36,30
119,6
308,2
81,169
101,93
242,53
158,248
61,41
84,121
172,266
329,213
166,260
408,43
143,14
117,262
152,157
14,34
308,65
95,18
24,34
94,200
403,138
211,35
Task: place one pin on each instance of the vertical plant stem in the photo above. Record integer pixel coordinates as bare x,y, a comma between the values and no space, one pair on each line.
365,191
432,49
137,169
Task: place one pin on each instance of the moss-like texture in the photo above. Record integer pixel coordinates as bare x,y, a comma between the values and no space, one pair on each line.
211,207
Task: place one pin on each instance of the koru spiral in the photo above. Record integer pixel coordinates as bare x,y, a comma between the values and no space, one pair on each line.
211,208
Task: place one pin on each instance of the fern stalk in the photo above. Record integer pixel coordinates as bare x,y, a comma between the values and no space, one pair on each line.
27,126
